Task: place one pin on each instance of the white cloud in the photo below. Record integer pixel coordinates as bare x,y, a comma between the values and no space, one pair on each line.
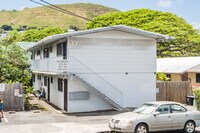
196,25
164,3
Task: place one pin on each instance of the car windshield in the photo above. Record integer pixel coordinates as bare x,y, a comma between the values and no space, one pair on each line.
145,108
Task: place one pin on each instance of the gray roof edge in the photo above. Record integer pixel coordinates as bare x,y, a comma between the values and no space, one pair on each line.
122,28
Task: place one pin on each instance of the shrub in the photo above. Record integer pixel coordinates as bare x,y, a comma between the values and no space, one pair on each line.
197,98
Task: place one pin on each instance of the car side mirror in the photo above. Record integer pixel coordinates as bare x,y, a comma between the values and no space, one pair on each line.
156,113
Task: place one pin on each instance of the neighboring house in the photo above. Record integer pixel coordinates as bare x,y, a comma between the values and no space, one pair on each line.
98,69
181,69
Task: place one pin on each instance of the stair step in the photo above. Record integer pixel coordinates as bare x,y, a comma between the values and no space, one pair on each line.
98,92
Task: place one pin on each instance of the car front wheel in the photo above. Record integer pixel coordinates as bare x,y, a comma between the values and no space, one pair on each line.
189,127
141,128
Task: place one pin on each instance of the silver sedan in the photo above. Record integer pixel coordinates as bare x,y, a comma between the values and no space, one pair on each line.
156,116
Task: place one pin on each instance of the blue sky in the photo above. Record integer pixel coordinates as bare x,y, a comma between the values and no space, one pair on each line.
188,9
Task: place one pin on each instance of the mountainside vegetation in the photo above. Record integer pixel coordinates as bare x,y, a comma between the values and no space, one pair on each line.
32,18
186,39
32,35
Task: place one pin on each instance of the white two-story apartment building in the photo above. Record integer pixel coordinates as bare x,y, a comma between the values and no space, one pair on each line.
99,69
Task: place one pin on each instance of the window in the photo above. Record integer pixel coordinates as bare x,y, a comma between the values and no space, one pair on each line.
145,108
177,108
164,109
60,84
62,49
33,77
45,80
38,52
198,77
46,53
52,80
59,49
32,55
39,77
184,77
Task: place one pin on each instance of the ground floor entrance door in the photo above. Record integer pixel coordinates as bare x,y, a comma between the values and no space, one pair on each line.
48,87
65,94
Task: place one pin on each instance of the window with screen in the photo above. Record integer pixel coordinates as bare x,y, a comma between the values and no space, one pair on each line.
59,49
60,84
198,77
46,53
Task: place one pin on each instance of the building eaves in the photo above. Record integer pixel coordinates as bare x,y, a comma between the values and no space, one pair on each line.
127,29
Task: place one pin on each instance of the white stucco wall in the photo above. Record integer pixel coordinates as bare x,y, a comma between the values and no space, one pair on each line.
37,83
114,56
125,60
56,97
92,104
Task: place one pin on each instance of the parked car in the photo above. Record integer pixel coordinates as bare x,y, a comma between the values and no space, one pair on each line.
156,116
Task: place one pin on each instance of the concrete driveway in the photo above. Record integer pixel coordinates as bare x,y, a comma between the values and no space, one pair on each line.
54,121
46,122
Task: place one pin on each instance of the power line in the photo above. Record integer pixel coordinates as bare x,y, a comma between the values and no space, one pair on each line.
57,8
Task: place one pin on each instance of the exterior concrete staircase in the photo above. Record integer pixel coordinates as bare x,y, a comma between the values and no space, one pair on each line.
98,93
95,83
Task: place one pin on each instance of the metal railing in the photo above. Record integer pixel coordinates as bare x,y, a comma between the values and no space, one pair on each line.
52,64
80,69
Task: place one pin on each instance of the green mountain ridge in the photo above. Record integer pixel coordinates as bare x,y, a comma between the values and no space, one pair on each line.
44,16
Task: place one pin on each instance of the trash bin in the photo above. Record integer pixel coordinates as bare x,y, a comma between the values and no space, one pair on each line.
190,100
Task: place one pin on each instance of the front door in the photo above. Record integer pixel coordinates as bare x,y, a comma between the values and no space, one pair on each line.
65,94
163,121
48,87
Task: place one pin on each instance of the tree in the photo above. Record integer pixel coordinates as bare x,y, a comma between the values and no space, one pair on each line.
6,27
33,35
14,65
75,28
36,35
187,39
161,77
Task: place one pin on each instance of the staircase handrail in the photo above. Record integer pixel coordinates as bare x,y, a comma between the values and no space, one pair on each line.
93,72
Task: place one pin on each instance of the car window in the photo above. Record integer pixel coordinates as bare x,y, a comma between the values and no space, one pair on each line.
177,108
164,109
145,108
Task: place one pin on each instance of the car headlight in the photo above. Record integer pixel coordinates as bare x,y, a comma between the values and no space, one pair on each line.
130,122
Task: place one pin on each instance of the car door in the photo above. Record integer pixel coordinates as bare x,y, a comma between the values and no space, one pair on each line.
162,121
180,115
